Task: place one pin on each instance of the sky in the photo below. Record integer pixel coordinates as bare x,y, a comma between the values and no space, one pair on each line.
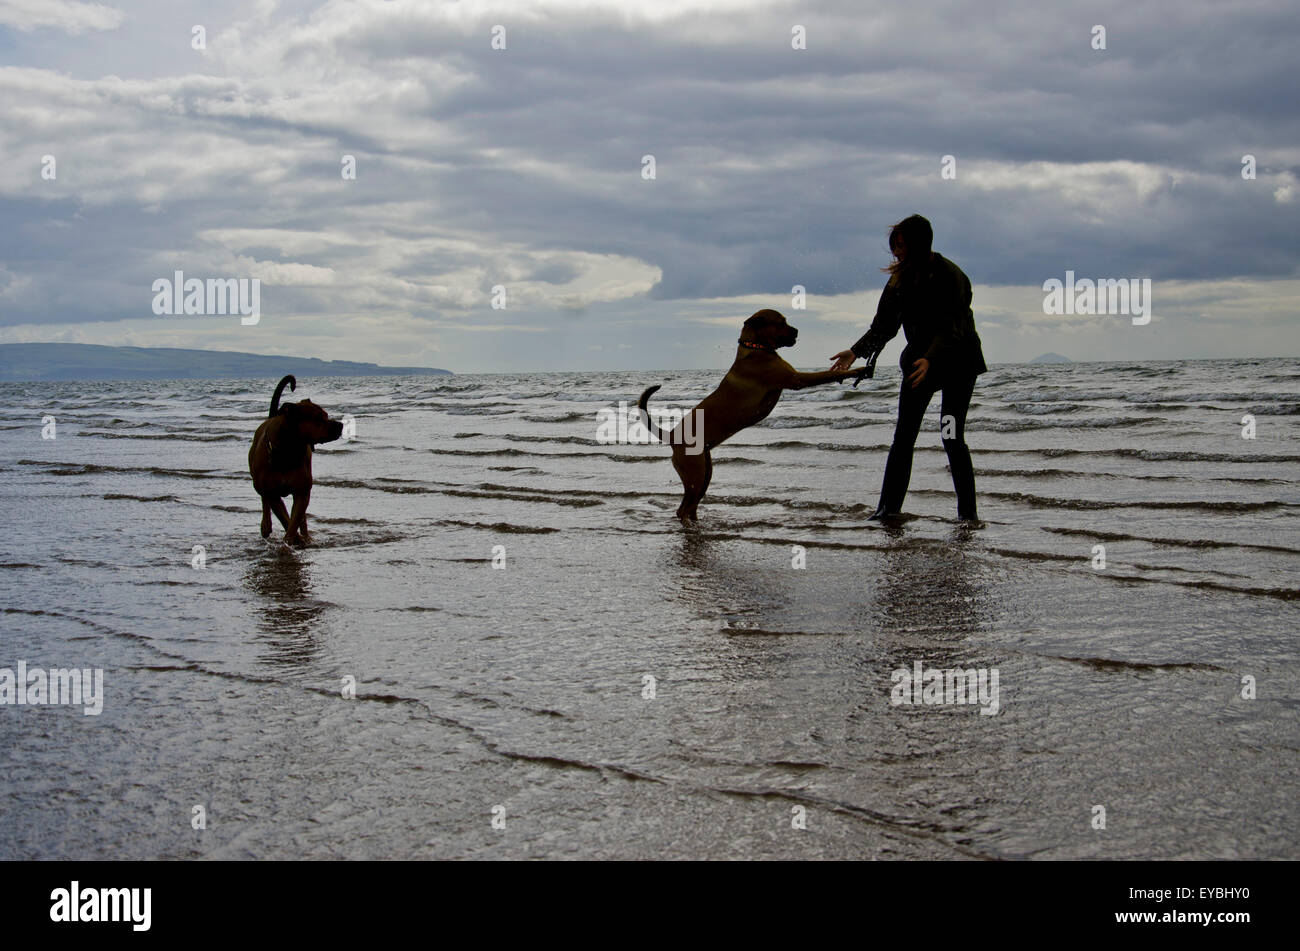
508,146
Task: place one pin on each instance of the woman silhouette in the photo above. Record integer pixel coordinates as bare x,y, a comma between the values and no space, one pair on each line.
929,297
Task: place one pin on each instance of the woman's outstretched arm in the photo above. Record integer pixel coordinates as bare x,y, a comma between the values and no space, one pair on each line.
883,329
889,317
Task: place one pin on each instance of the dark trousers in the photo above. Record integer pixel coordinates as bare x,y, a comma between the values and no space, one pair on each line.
912,403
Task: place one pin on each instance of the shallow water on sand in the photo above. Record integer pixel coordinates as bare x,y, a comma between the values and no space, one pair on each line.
523,687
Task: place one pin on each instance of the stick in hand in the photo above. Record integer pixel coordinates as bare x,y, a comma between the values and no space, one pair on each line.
868,371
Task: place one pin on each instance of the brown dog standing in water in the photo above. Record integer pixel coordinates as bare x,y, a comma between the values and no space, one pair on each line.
280,460
745,396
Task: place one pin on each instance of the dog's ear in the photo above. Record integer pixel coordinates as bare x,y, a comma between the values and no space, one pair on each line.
754,326
765,326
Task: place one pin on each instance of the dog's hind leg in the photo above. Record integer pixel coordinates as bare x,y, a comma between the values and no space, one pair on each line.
694,473
705,479
277,506
266,517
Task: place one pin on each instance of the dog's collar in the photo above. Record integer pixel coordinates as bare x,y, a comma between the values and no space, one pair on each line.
755,346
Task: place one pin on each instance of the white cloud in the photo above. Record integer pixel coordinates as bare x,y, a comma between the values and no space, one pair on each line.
284,274
69,16
1284,194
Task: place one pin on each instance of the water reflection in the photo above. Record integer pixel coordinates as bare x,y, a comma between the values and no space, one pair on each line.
719,584
929,589
913,591
289,613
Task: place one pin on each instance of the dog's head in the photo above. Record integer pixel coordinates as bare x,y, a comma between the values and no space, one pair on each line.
311,422
769,329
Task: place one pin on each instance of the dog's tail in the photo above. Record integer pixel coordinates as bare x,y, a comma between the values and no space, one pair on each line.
646,421
279,388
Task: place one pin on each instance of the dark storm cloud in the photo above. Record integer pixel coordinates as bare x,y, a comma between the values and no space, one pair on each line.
774,166
868,109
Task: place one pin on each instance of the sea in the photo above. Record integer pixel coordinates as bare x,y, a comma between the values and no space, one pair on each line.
502,644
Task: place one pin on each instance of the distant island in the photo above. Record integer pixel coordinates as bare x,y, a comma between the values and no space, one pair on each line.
1051,358
22,362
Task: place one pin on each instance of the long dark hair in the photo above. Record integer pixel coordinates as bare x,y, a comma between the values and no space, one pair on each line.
917,237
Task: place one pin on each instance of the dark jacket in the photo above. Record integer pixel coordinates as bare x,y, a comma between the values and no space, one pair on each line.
933,309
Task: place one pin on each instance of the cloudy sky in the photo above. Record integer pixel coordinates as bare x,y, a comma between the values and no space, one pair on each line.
525,167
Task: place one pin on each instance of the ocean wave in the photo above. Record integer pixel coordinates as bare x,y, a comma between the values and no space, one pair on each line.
561,440
790,422
1195,543
391,486
543,498
91,468
506,405
1065,395
500,528
1025,425
1244,399
1047,409
1136,476
511,453
562,418
601,494
176,437
823,395
1115,664
823,446
1205,505
1168,455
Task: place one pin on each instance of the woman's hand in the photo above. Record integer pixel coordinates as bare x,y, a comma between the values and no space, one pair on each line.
843,360
922,368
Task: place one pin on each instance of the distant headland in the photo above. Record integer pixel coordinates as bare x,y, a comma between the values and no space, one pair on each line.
1051,358
21,362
